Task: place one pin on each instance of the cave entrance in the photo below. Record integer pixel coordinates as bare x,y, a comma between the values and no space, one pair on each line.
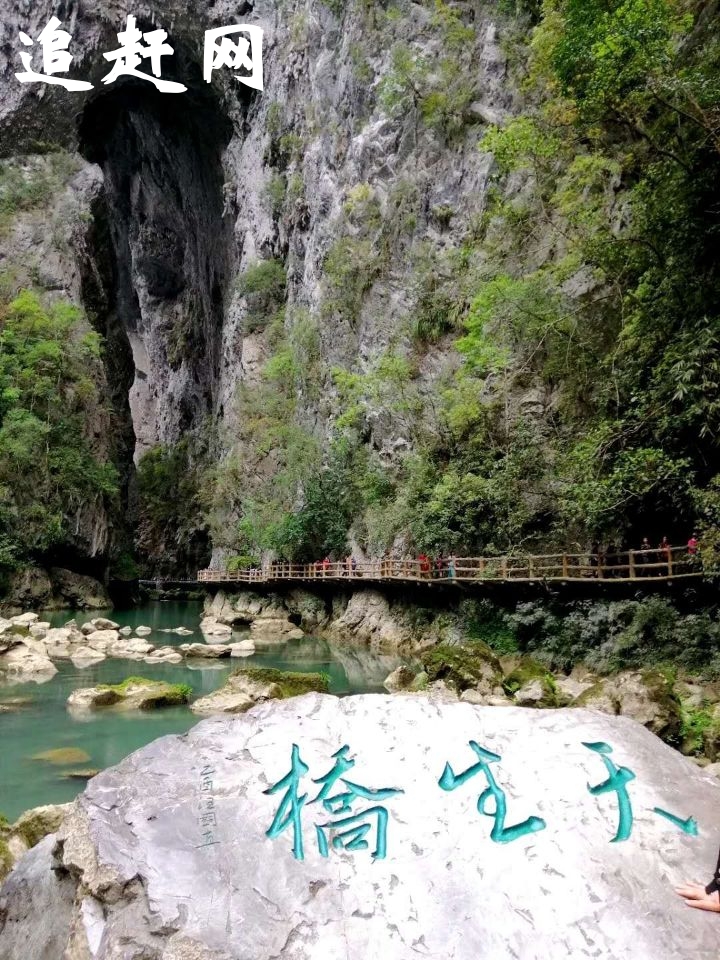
160,261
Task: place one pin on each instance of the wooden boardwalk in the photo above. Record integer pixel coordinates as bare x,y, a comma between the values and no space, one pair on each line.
637,565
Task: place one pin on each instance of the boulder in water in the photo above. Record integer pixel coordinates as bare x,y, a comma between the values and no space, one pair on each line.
102,639
209,650
31,665
24,619
251,685
62,756
83,657
212,627
102,623
428,868
134,693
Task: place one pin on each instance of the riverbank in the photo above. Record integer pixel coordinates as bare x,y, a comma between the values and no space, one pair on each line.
562,628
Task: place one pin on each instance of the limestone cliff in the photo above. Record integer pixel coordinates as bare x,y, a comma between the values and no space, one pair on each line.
332,172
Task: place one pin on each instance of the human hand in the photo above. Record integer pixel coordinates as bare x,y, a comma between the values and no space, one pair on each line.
694,896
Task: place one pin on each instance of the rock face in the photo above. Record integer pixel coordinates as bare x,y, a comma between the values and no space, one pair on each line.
55,589
33,887
183,193
274,630
168,854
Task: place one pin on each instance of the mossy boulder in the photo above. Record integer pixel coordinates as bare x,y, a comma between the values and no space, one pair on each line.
250,685
465,666
420,682
134,693
601,697
63,756
532,684
29,829
291,684
400,679
647,696
37,823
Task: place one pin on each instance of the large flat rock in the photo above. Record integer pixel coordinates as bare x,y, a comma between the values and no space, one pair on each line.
172,858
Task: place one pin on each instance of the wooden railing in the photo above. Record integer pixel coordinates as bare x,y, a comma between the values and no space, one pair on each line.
666,564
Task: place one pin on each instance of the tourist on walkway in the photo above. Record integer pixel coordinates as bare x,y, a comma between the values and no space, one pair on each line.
451,567
424,562
693,549
595,557
666,552
644,557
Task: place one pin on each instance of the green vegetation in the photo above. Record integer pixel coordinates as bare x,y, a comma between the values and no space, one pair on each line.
291,684
31,183
273,457
263,286
275,190
50,371
436,92
623,153
696,723
481,620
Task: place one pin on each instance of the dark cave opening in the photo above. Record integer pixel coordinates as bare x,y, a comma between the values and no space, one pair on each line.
158,265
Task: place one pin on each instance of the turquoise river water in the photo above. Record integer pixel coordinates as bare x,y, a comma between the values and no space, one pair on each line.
44,723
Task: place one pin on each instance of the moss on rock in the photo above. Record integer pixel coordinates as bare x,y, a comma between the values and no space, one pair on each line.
37,823
63,756
6,859
162,695
527,671
420,682
290,684
598,697
463,666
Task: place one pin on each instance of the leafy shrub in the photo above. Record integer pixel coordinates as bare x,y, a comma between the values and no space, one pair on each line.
49,376
263,286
